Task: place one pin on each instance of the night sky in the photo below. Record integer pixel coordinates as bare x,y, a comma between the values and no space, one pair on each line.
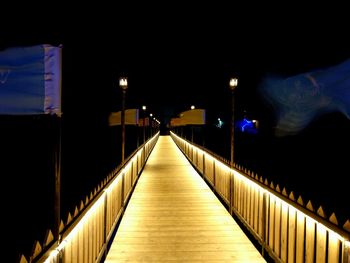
178,56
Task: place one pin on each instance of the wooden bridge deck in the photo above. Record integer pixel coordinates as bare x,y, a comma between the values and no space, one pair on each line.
173,216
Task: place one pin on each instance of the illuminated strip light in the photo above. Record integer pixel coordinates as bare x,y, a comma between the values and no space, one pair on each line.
128,166
75,230
263,190
222,165
250,182
207,156
114,183
53,254
267,191
313,220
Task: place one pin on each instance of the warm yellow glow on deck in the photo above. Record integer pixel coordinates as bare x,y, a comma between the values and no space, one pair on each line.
174,216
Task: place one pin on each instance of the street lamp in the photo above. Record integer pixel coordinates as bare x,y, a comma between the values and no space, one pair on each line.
143,122
233,85
192,108
150,124
123,84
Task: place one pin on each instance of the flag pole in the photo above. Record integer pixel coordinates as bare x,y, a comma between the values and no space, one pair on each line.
57,126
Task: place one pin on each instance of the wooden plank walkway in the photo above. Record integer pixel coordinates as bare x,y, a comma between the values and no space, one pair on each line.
173,216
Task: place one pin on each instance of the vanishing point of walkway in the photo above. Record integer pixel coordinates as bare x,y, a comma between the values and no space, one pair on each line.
173,216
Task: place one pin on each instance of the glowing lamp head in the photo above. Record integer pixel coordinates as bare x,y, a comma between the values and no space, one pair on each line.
233,83
144,107
123,83
193,107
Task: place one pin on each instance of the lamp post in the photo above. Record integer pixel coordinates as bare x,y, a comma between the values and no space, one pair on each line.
150,124
123,84
192,108
233,85
143,122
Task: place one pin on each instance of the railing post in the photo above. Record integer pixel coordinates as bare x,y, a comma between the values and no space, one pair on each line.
203,165
263,223
232,184
105,234
122,190
346,251
60,256
214,175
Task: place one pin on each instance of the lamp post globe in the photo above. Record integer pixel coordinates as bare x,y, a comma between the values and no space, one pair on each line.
123,83
233,83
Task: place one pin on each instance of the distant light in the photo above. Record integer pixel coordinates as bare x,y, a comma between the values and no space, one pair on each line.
193,107
249,126
151,114
233,83
220,123
123,83
144,107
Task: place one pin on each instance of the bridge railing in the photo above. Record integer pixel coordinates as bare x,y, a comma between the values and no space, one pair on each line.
86,237
285,227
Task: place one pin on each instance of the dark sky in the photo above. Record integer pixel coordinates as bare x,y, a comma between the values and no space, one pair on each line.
178,55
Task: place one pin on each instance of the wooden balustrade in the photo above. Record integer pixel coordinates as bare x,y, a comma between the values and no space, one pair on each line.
87,232
286,228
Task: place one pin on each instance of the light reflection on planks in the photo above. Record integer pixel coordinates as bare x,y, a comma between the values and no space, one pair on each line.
173,216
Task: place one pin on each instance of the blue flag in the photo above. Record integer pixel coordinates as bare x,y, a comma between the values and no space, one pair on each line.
297,100
30,80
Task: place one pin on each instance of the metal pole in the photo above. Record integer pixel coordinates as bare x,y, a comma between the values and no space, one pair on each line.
233,85
123,124
144,129
57,170
232,130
